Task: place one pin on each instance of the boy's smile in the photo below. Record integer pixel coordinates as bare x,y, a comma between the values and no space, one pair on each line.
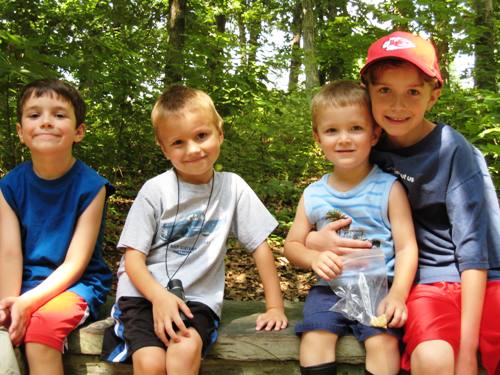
191,141
400,98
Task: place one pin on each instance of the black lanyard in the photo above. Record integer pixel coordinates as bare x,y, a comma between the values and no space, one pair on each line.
167,242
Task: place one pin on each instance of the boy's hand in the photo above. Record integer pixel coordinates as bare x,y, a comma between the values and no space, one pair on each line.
273,317
394,308
166,308
4,315
20,313
327,238
327,265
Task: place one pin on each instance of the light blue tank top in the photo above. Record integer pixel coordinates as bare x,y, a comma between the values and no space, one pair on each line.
366,204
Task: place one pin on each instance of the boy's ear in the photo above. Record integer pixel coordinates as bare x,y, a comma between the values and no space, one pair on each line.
316,137
435,94
19,132
162,149
80,132
377,131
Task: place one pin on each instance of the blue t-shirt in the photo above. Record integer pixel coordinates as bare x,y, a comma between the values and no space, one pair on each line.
454,204
366,204
48,211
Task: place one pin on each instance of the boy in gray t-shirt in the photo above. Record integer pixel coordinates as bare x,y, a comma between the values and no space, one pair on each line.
176,230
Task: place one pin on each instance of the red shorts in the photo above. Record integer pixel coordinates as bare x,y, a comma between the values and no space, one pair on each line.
434,314
489,336
53,322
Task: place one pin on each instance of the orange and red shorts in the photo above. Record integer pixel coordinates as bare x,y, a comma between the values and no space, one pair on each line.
54,321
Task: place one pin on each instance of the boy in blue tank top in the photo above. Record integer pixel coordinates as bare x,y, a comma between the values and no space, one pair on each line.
376,204
52,274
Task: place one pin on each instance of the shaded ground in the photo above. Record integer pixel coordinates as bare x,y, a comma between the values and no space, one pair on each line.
242,279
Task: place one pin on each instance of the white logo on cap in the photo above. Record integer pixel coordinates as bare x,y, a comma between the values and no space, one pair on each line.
397,42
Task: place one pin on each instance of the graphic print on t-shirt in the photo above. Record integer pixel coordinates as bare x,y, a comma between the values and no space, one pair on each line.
188,228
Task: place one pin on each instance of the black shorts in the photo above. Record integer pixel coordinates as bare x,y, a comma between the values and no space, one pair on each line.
134,322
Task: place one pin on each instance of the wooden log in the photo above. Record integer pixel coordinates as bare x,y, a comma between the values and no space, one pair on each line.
238,340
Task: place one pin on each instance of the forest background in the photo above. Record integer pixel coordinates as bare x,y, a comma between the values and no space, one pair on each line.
260,61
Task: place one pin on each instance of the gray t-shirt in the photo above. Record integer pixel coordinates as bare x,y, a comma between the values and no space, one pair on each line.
195,254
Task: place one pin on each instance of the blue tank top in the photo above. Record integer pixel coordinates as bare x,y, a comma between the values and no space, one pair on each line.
48,211
366,204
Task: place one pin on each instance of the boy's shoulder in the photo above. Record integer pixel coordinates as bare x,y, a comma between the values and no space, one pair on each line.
443,140
80,177
319,183
18,170
231,176
451,136
378,172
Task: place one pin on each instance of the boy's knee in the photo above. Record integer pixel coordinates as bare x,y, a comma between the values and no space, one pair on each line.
384,343
184,357
319,338
382,354
42,358
433,357
187,349
149,361
317,347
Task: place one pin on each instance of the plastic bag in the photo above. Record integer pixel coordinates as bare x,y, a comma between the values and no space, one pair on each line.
361,286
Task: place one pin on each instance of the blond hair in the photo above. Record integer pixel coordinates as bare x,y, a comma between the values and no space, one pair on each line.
341,93
178,98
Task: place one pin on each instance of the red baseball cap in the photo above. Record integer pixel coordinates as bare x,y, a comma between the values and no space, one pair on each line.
408,47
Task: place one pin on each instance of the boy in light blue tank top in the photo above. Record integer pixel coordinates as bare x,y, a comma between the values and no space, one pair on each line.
376,205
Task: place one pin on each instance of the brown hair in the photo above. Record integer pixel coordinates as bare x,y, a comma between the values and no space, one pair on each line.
177,98
49,86
339,94
372,72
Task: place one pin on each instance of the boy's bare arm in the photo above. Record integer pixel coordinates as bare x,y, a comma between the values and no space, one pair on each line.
473,289
325,263
77,258
11,257
328,239
405,245
275,314
165,305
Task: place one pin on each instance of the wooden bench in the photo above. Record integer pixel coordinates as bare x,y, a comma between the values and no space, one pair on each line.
239,349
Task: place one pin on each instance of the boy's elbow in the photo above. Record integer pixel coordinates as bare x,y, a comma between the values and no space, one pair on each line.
11,254
289,247
286,248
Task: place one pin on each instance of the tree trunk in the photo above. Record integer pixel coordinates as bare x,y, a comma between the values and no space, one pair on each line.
215,62
443,51
485,72
334,67
176,27
310,65
295,60
10,146
255,29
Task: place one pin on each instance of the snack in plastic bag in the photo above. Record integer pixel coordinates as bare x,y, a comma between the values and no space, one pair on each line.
361,287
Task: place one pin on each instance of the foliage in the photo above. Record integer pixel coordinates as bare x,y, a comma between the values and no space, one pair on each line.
117,54
475,114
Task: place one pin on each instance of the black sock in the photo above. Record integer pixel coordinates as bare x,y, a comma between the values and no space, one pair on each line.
322,369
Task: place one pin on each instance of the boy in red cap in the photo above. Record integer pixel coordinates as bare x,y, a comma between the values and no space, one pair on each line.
453,309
